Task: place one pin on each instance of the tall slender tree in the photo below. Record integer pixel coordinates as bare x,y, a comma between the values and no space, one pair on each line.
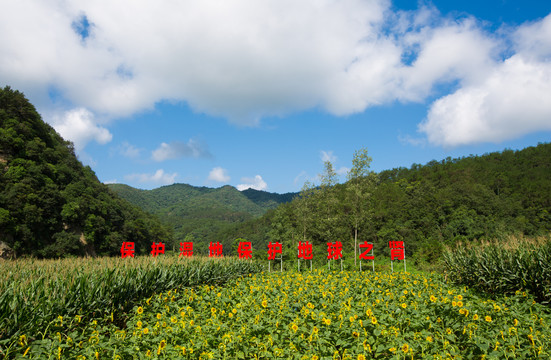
328,202
361,181
304,209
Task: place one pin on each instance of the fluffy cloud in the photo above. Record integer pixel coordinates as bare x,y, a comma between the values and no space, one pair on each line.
246,59
176,150
78,126
219,174
256,183
243,59
510,100
159,177
513,100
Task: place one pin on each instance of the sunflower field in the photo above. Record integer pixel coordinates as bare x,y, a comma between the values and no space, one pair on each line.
309,315
37,296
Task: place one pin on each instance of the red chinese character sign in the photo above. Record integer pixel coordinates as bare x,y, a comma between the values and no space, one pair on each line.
157,248
273,249
397,252
215,249
186,249
334,252
245,250
367,254
305,252
127,249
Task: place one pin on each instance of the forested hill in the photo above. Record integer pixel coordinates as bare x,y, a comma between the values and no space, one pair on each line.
427,206
201,211
510,190
186,200
50,204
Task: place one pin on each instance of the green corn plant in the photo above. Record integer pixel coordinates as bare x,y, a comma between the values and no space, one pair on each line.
35,294
503,267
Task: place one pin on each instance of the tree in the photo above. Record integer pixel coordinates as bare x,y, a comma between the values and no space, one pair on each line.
304,208
328,204
361,182
50,204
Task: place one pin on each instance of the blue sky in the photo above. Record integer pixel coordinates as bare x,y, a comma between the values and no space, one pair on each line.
259,93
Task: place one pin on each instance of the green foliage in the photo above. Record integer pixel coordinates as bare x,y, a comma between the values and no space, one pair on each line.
33,298
206,213
505,267
313,315
50,204
428,207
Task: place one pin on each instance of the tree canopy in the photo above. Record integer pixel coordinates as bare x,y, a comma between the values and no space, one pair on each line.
50,204
427,206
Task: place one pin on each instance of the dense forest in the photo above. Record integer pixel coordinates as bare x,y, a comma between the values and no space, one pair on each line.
50,204
427,206
198,214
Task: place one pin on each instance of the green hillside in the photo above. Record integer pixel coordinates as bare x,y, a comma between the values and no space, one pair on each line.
201,212
50,204
428,206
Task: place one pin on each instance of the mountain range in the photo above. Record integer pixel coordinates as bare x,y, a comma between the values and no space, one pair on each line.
200,211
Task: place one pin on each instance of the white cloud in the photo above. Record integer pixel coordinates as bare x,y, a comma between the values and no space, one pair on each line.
159,177
247,59
242,59
176,150
256,183
327,156
533,40
219,174
509,101
451,51
78,126
129,150
513,100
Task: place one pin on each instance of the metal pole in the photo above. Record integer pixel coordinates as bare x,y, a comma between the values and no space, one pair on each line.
298,260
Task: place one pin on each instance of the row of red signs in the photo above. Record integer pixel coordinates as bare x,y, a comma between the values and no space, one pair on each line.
245,250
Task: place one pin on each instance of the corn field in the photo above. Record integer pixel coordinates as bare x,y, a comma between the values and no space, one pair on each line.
506,267
35,293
